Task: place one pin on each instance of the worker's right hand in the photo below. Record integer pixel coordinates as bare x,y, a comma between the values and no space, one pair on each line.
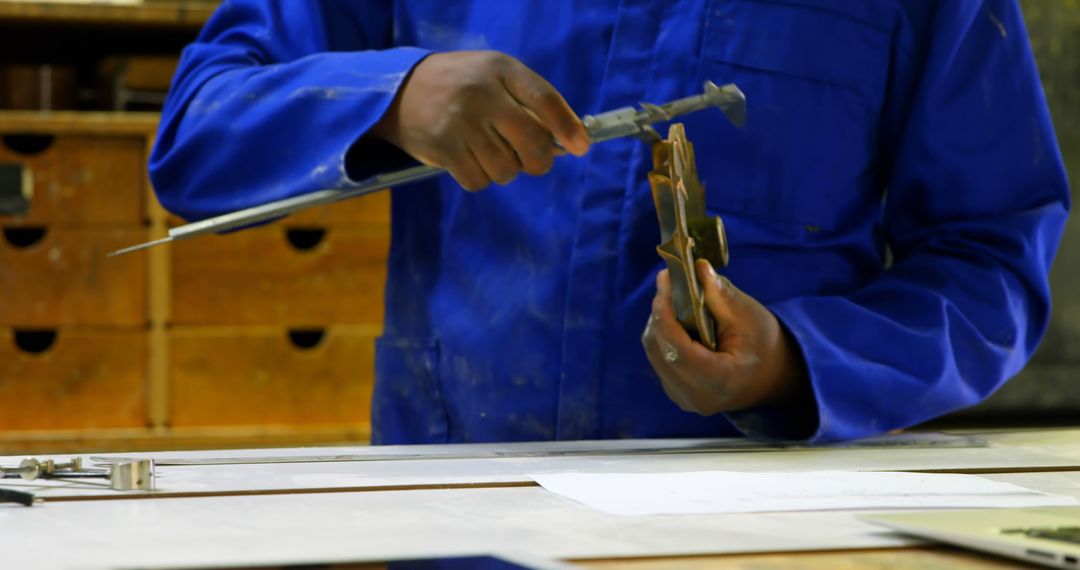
483,116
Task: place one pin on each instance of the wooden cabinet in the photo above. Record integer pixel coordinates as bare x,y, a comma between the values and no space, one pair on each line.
271,376
78,179
57,275
72,378
259,337
283,274
75,326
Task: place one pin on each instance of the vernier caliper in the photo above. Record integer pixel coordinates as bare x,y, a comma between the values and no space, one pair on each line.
619,123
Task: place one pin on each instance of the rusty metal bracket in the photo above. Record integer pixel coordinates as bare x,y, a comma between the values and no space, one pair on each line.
687,232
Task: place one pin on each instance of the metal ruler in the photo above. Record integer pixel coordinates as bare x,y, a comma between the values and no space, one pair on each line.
910,441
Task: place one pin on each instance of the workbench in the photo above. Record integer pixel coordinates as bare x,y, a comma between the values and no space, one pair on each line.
349,504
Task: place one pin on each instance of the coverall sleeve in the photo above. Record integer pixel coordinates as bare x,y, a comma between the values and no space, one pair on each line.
976,200
270,98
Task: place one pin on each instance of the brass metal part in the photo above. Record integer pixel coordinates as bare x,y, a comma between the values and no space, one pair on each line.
687,232
31,469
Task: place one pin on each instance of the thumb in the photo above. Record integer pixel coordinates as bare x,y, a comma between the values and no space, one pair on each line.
724,300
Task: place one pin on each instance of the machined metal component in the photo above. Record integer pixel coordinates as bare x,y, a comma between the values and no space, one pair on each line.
687,232
630,122
132,475
30,469
622,122
136,474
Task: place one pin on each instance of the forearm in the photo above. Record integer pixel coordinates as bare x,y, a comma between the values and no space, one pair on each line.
942,329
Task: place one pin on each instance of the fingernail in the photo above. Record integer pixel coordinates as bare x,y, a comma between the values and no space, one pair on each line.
709,267
727,290
581,143
702,262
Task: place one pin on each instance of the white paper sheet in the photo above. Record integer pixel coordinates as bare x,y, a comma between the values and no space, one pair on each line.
715,492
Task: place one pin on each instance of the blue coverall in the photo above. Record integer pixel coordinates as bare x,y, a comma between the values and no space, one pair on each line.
913,126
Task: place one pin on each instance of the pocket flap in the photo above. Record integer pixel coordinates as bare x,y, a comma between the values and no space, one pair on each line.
801,41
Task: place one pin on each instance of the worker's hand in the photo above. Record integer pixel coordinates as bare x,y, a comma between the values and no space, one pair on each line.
755,362
483,116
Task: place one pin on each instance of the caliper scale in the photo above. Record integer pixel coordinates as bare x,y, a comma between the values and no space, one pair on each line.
618,123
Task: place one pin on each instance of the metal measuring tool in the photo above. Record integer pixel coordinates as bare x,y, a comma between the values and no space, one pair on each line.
618,123
133,475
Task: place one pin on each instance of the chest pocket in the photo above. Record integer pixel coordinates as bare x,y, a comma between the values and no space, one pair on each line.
814,81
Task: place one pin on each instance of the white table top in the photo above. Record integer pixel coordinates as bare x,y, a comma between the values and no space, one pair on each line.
349,526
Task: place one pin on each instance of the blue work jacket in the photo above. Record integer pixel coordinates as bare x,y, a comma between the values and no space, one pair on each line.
895,198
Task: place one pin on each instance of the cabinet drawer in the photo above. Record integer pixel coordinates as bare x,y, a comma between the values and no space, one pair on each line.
72,379
280,275
252,376
56,276
77,179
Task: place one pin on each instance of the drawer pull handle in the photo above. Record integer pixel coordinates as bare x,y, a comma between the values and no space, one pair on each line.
35,341
16,189
22,238
304,239
306,339
28,145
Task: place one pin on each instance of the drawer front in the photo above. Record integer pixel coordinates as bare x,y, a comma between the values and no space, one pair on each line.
271,376
78,179
280,276
57,276
72,379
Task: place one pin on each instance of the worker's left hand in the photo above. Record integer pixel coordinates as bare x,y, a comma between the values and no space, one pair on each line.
755,364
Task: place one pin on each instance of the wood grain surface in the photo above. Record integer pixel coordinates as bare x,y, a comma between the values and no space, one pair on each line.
78,179
259,376
64,278
86,378
260,276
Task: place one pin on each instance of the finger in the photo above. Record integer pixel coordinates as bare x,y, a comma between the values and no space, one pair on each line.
659,347
665,320
499,161
528,137
467,171
721,297
676,392
649,340
667,328
696,362
536,94
669,381
682,386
